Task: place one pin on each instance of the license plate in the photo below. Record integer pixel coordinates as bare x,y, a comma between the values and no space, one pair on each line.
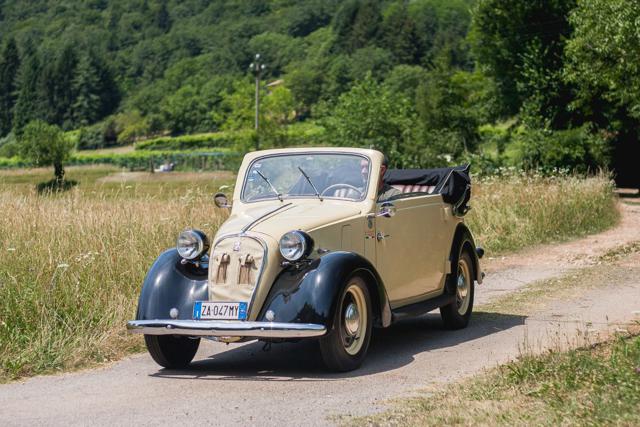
204,310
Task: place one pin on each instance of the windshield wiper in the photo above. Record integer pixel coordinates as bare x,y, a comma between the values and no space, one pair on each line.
310,182
270,185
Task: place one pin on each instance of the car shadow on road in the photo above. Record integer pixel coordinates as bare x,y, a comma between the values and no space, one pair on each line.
391,348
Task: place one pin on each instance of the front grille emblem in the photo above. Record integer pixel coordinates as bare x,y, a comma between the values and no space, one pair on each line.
236,246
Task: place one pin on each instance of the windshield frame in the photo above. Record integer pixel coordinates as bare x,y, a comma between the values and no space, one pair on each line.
305,196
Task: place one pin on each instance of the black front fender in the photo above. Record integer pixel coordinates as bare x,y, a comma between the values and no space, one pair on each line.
309,294
171,284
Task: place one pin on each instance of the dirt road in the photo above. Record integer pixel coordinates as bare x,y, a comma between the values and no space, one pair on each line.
242,384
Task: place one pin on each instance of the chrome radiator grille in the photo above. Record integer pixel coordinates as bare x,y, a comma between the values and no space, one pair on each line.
235,266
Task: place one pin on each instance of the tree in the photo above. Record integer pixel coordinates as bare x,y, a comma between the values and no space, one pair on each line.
603,54
86,85
162,18
517,42
357,24
370,116
305,81
279,106
602,63
9,66
405,80
46,145
29,104
185,111
399,34
64,96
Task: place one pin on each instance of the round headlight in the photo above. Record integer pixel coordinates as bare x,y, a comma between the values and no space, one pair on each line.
192,244
295,244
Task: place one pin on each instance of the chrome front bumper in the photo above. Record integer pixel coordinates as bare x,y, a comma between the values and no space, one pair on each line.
223,328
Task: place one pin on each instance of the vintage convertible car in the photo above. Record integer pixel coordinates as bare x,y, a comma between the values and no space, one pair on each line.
310,252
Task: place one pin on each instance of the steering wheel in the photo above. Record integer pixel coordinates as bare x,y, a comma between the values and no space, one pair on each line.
348,186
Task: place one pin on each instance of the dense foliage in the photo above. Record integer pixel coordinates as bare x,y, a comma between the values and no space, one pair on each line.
419,79
46,145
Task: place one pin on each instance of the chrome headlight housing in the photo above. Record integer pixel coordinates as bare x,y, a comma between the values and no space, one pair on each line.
192,244
295,245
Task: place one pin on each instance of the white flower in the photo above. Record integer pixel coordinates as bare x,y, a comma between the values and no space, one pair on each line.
63,266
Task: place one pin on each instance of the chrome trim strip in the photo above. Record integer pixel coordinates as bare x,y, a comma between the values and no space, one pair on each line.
229,328
265,259
260,218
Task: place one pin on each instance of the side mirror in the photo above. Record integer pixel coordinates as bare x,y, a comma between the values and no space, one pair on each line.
387,210
221,201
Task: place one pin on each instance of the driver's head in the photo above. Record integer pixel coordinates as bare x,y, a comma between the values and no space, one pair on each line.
383,168
364,169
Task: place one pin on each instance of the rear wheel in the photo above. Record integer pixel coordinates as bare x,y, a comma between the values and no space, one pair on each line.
456,315
346,345
172,352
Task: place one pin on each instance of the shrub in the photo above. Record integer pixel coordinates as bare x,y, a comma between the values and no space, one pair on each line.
574,149
9,146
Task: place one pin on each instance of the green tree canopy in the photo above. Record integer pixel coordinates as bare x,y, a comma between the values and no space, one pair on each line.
604,53
9,66
370,116
46,145
521,45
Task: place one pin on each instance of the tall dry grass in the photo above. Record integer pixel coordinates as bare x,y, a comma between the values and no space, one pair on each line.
71,265
519,210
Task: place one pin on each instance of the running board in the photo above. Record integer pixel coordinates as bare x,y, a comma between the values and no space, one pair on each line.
421,308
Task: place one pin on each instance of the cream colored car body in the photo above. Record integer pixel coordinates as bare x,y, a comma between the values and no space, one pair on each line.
409,250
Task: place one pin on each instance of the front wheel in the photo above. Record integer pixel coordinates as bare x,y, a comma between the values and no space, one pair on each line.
172,352
345,346
456,315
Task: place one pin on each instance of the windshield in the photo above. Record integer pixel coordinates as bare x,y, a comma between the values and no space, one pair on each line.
342,176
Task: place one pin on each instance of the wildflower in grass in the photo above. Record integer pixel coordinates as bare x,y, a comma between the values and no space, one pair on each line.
63,265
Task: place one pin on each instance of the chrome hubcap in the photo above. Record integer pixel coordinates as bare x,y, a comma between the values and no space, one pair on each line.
352,319
462,288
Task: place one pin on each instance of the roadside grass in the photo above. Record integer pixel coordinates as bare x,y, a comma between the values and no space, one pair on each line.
71,264
516,211
596,385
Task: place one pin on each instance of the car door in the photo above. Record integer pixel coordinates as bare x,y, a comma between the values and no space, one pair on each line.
410,254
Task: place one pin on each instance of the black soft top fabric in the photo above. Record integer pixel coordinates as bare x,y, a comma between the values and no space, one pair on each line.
453,183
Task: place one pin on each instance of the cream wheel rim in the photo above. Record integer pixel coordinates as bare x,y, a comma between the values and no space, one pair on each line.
463,287
353,319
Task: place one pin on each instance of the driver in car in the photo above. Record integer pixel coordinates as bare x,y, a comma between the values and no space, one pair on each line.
385,191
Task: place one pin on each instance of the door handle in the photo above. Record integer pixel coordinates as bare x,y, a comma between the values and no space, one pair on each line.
381,236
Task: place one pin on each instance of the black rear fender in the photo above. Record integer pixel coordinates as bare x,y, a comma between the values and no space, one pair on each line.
463,239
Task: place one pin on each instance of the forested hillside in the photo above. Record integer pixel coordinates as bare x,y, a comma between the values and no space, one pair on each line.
545,83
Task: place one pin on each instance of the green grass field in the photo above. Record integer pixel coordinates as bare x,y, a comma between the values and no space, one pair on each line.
72,264
598,385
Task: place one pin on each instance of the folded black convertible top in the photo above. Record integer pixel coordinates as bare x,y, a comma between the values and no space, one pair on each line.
453,183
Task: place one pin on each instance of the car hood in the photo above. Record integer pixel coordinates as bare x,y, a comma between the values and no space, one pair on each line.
275,220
